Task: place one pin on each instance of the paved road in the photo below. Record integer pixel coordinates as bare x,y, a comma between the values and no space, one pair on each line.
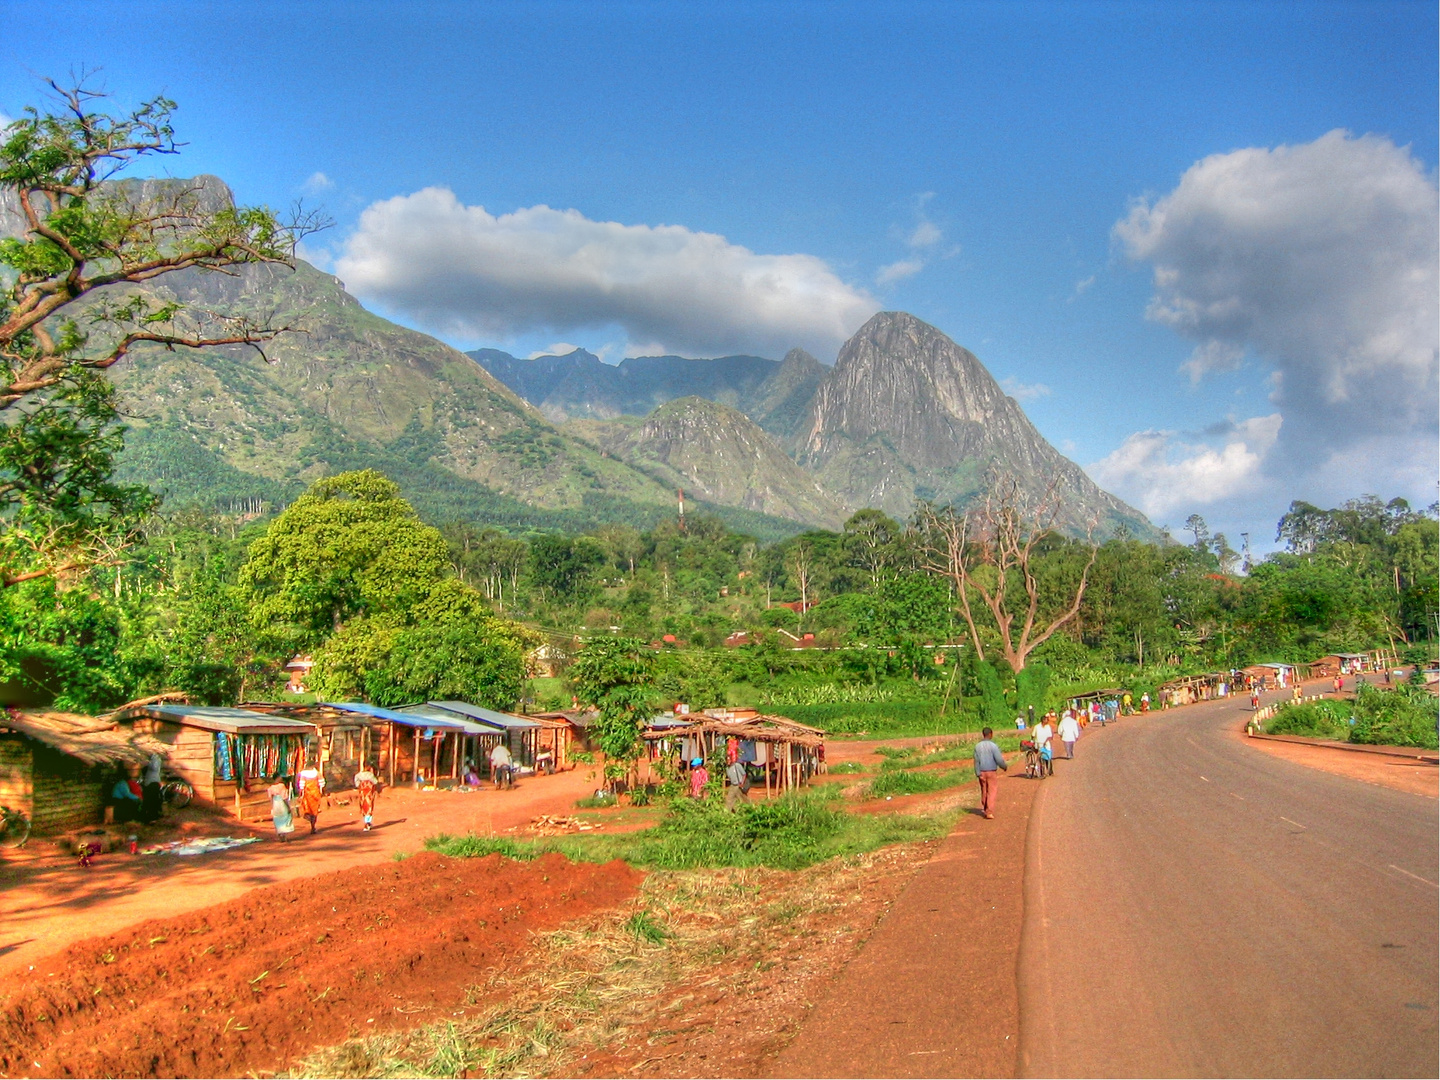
1195,908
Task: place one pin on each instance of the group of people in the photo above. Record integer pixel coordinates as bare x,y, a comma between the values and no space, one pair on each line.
303,797
136,793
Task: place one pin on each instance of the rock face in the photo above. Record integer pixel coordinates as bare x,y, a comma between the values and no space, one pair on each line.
715,453
907,414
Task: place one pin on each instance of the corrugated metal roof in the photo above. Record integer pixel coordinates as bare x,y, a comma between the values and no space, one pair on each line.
430,716
232,721
485,716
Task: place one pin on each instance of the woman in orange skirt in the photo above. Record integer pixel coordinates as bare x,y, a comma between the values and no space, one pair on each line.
312,786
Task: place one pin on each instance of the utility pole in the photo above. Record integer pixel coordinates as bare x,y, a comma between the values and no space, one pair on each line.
1245,548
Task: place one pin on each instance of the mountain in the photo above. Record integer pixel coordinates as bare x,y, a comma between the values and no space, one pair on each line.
717,453
781,403
578,384
907,414
231,430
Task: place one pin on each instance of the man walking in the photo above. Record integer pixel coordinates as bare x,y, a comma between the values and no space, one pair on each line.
737,784
1069,733
989,763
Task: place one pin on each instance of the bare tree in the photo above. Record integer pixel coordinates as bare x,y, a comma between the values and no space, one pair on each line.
988,552
799,566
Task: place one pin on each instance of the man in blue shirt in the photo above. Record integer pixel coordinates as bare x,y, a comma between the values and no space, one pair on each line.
989,763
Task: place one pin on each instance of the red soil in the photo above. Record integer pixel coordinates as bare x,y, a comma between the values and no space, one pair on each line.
253,984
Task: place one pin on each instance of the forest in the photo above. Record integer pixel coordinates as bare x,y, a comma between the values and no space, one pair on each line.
854,630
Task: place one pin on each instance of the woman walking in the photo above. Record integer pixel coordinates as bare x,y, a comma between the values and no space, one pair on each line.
312,786
280,812
369,788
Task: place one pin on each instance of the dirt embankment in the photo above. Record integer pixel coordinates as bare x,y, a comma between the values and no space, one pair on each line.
250,985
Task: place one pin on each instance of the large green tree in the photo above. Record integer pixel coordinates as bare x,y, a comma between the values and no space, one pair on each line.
349,547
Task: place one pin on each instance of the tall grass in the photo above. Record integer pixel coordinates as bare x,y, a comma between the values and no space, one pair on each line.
789,833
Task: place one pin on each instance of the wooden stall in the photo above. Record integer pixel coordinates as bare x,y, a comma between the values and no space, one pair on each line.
581,725
526,737
229,756
58,768
788,752
344,739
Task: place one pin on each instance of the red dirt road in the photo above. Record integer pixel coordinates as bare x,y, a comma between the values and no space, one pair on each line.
239,988
47,901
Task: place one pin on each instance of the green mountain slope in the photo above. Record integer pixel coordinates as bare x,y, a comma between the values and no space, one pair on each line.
234,431
717,453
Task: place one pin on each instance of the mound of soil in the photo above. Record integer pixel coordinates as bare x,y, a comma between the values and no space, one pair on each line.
252,985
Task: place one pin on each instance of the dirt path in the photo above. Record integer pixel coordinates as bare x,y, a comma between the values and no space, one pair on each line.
47,901
933,991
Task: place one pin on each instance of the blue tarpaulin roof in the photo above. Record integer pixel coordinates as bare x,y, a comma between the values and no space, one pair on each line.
484,716
392,714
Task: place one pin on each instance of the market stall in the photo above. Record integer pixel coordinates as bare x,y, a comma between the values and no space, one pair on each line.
229,756
788,753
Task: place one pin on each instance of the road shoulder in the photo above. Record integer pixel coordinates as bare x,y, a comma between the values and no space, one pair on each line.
933,992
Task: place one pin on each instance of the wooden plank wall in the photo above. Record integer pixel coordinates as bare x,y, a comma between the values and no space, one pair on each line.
191,754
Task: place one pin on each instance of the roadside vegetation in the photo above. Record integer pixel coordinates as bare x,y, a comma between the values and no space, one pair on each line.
789,833
1405,716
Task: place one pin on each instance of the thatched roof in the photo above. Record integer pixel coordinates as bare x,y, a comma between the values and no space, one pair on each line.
772,729
93,741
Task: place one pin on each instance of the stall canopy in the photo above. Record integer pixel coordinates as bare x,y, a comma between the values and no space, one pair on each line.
507,721
230,721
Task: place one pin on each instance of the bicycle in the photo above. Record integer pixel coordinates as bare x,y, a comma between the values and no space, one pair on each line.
177,793
14,828
1034,763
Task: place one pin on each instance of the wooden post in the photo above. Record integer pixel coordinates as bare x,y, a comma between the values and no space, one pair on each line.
415,769
455,757
435,745
390,748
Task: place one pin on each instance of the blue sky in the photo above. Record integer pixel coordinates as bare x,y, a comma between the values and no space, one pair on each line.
968,163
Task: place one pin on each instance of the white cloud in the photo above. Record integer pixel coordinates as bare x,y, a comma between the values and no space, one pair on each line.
5,120
899,271
1024,391
1320,260
462,271
317,183
1212,356
1161,471
926,234
1083,285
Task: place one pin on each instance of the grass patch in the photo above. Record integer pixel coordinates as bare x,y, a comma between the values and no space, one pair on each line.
909,782
887,719
790,833
595,802
846,767
1324,719
643,925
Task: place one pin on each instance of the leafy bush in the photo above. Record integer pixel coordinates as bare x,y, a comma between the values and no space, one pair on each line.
1324,719
1405,716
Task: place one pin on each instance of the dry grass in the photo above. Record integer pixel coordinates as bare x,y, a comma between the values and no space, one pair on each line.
708,973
